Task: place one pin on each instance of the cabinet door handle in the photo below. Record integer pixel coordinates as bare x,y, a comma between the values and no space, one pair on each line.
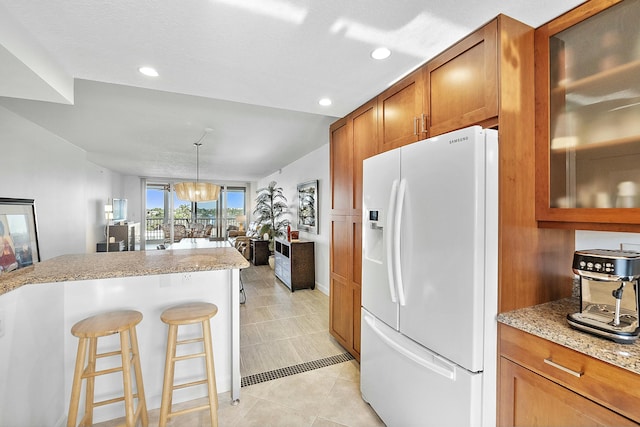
415,125
576,374
425,117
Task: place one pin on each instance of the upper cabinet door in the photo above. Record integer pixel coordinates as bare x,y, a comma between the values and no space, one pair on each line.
462,83
587,117
341,154
401,119
365,144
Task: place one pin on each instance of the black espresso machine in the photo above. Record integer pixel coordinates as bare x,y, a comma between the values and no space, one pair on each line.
609,296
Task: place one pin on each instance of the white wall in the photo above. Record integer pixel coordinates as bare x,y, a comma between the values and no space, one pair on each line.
32,365
134,194
607,240
69,191
314,165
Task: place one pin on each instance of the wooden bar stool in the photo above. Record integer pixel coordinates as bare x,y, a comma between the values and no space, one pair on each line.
180,315
88,331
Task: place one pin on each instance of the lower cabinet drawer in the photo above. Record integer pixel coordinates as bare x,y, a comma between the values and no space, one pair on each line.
613,387
529,399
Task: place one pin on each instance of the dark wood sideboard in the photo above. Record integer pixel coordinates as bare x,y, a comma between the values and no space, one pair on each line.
295,263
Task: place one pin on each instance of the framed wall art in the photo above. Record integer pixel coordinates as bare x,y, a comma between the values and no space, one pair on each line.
18,234
308,206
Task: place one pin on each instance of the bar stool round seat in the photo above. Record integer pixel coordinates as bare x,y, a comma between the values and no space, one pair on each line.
122,322
182,315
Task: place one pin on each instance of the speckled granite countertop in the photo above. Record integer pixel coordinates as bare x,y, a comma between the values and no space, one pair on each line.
549,321
106,265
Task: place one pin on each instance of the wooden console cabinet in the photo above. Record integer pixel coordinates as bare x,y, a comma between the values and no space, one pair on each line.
295,264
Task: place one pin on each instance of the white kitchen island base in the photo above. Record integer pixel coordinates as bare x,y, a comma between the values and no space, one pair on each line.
151,295
38,351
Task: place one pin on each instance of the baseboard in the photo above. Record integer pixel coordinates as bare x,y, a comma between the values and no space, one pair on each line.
322,289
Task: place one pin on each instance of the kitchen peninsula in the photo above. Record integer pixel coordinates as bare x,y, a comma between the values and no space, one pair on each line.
40,304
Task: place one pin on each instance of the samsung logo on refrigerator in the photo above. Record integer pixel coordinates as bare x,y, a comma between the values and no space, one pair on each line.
462,138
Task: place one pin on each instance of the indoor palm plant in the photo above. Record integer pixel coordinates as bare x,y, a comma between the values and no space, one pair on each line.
270,212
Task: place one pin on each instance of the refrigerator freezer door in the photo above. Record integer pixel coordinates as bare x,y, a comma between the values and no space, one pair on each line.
443,245
407,385
380,185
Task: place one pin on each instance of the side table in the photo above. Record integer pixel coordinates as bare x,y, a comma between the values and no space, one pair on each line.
259,251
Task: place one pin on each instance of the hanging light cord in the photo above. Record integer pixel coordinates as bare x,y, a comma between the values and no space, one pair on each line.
198,143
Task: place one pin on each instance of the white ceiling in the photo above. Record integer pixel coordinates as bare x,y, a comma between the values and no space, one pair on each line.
252,70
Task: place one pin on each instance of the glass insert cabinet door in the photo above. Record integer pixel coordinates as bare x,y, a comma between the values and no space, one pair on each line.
592,132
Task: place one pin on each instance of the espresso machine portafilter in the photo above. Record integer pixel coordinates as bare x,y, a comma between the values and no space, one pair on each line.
608,294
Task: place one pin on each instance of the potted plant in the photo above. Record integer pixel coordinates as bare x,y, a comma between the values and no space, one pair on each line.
270,211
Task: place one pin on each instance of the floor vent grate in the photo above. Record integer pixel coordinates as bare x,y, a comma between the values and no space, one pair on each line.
295,369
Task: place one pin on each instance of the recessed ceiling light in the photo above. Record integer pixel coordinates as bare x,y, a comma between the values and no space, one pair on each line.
148,71
381,53
325,102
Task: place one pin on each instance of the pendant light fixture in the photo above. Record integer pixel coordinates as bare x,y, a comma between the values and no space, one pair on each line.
198,191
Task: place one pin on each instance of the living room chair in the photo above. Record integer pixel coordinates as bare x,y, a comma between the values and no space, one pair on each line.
196,229
179,232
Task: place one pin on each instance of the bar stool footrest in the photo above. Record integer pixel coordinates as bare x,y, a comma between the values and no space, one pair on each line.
191,384
114,400
188,356
190,341
189,410
90,373
109,354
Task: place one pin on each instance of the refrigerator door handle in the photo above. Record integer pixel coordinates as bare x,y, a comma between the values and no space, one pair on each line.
397,268
390,233
448,370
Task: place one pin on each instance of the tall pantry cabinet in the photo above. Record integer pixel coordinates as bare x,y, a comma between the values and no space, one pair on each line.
484,79
353,139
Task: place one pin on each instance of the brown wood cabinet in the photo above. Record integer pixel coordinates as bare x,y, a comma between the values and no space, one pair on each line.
587,133
341,167
531,400
402,118
457,88
341,299
535,263
365,144
345,290
462,83
542,383
354,138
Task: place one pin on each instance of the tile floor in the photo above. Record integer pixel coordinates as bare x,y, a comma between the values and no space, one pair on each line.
281,329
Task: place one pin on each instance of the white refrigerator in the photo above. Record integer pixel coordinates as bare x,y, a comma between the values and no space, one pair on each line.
429,281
